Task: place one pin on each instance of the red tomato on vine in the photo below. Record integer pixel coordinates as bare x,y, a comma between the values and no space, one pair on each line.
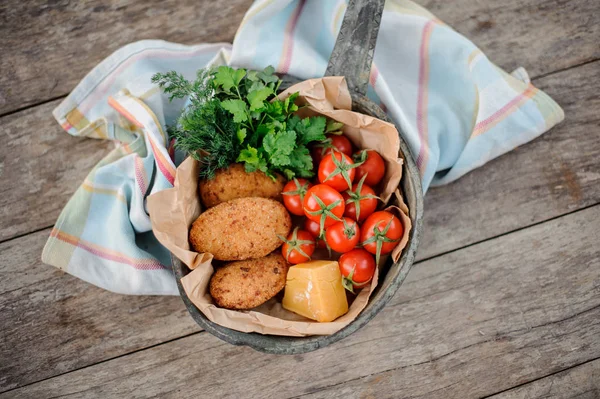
381,232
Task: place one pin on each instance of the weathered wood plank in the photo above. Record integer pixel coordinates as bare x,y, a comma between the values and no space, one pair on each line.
45,175
51,322
554,174
46,197
528,197
41,166
48,47
466,324
581,382
541,35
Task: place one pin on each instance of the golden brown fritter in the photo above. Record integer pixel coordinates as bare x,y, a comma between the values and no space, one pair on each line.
243,228
234,182
249,283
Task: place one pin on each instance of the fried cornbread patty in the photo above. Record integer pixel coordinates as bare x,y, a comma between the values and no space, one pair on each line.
234,182
244,228
248,283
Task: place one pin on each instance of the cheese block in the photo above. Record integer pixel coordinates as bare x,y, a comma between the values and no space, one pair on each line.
314,290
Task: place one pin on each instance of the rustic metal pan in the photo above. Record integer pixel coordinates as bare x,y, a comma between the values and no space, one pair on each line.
352,57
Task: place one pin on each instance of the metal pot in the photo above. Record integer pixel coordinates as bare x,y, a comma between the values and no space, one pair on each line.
352,57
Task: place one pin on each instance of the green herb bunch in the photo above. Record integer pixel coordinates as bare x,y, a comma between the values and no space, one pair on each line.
233,116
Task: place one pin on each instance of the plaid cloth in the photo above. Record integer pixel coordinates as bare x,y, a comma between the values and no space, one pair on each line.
457,111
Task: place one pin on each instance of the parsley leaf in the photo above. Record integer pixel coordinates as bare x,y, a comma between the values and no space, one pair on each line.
249,155
257,97
241,134
252,76
301,162
279,146
253,159
233,116
227,77
289,103
309,129
267,75
238,108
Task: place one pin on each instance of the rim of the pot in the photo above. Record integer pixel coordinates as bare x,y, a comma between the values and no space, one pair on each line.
294,345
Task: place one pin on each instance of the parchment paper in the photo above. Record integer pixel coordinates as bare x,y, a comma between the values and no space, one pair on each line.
173,211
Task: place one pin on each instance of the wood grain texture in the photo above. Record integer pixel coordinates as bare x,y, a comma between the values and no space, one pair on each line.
451,323
47,47
558,173
41,166
550,176
467,324
541,35
51,46
551,179
51,323
581,382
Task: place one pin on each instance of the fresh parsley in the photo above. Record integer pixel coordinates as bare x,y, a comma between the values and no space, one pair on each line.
234,116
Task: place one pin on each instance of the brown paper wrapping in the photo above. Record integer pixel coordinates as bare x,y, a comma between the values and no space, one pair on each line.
173,211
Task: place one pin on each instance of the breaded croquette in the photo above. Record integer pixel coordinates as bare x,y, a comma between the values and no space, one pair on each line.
234,182
242,228
249,283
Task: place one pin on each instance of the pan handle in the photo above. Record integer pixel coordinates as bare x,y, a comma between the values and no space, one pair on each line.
353,51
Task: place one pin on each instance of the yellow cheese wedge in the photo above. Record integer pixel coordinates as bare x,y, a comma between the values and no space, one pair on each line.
314,290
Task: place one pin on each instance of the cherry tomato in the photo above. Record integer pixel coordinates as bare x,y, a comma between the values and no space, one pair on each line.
373,166
339,142
333,141
361,201
321,244
357,267
323,205
293,195
343,236
337,171
298,247
312,227
316,154
381,232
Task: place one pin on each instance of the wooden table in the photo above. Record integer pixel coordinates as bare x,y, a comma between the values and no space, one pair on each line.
503,302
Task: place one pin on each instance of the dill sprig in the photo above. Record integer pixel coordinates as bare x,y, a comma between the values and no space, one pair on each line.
204,130
233,116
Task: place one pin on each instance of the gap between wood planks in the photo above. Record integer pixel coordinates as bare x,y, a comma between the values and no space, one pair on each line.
382,371
541,34
328,387
26,234
543,75
524,339
506,233
61,96
582,380
20,235
541,378
431,257
30,106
